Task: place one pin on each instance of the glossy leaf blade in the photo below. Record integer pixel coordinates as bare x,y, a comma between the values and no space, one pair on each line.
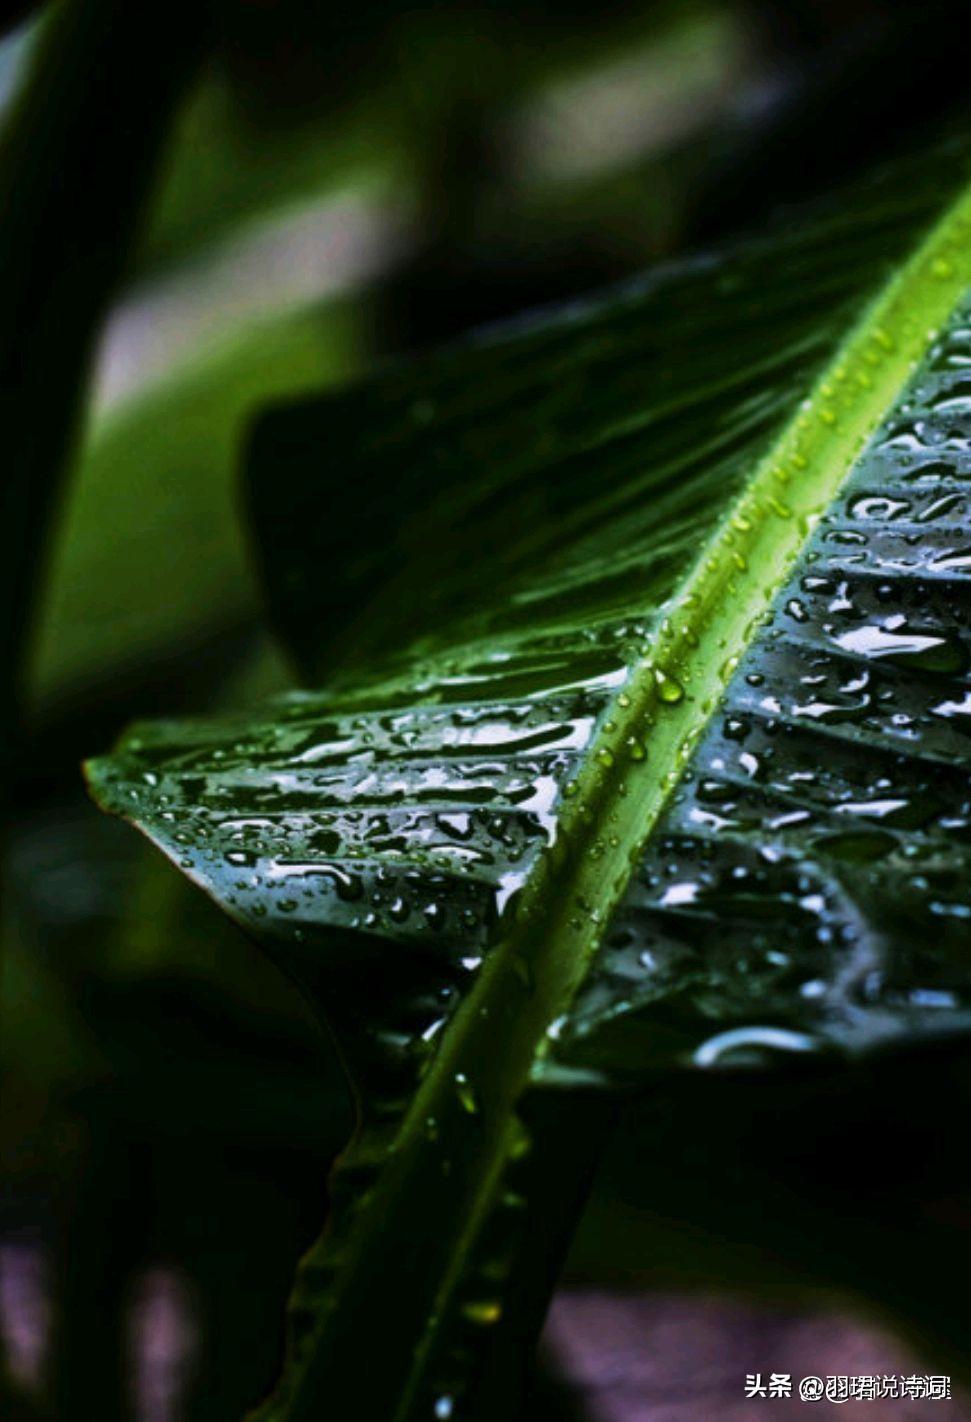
438,845
808,885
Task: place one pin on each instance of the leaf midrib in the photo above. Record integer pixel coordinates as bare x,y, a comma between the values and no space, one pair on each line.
556,926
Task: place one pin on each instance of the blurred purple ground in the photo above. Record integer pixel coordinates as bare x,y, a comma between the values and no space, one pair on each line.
676,1358
161,1326
629,1357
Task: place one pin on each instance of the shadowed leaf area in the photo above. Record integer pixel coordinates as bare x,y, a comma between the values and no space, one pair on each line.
643,636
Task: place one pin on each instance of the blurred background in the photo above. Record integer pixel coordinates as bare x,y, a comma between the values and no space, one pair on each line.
340,185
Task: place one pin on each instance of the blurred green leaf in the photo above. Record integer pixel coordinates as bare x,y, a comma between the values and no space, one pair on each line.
72,181
149,557
223,173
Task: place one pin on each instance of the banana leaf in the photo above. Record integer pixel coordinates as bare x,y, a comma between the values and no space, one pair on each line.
636,753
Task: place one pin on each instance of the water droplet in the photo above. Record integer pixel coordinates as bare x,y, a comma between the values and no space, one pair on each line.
898,642
466,1093
669,688
751,1046
483,1311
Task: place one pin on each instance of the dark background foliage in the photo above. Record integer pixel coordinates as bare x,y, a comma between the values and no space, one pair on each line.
206,209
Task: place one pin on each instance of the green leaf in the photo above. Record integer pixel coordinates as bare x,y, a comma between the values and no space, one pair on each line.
76,159
598,596
225,174
158,464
